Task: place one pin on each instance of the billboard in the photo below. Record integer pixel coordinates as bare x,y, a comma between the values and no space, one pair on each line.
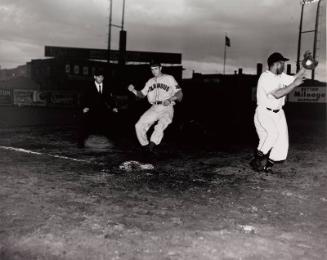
5,97
308,95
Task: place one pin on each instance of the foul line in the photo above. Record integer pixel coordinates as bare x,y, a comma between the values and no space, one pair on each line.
47,154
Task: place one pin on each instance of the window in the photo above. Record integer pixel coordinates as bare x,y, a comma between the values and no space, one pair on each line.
76,69
67,68
85,70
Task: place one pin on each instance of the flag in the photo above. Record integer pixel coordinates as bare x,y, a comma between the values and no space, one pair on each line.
227,41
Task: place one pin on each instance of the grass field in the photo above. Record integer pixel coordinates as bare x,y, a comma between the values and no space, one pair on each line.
61,202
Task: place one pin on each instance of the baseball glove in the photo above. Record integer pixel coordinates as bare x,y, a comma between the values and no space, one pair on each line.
308,62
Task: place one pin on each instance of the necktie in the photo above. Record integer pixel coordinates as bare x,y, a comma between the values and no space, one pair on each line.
100,88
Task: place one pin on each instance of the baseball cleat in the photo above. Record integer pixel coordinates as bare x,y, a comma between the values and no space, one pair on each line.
268,170
256,165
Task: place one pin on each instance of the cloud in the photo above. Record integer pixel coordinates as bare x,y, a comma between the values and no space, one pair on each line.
195,28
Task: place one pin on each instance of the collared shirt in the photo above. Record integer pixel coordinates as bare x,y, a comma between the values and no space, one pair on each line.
99,87
268,83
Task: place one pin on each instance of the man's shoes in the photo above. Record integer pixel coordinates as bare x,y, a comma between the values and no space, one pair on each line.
256,165
268,170
153,151
151,147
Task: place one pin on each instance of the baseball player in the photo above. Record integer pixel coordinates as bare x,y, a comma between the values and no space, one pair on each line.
269,119
162,92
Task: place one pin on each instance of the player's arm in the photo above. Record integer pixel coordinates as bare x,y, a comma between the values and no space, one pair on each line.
177,97
137,93
298,80
300,73
281,92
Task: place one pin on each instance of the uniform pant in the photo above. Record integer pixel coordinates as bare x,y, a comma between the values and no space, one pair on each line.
162,114
272,132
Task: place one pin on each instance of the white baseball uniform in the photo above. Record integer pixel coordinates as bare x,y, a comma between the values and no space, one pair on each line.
269,117
157,89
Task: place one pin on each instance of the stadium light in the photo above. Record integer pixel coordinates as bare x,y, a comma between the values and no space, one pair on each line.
303,3
307,2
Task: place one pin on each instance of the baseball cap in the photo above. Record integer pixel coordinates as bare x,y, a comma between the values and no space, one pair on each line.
276,56
155,64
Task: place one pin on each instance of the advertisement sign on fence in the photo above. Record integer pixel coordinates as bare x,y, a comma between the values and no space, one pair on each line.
5,97
308,95
23,97
302,95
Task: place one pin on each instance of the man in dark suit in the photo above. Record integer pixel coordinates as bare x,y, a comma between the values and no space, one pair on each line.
98,107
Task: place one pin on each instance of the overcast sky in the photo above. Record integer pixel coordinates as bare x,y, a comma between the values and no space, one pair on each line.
195,28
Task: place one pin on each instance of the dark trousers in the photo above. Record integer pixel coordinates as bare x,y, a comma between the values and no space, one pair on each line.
100,122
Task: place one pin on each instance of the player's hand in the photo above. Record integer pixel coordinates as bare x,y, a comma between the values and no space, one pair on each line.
115,110
166,102
85,110
131,88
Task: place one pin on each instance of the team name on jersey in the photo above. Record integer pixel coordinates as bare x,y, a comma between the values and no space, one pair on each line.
159,85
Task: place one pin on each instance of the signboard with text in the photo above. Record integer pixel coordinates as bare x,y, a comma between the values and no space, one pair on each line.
308,95
5,97
23,97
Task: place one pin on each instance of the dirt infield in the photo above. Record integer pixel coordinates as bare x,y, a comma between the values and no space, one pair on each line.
61,202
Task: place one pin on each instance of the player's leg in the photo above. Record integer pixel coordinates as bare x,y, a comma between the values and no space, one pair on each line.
257,162
268,121
261,132
165,119
267,131
143,125
280,149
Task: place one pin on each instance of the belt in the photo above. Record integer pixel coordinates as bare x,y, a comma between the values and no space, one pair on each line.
157,103
273,110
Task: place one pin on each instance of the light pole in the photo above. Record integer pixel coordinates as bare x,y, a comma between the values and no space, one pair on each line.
304,2
123,16
315,38
109,32
299,39
122,41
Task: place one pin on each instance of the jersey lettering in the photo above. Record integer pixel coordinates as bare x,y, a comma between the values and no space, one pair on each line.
159,85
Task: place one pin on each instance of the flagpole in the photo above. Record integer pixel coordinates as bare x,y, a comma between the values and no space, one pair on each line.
225,53
224,58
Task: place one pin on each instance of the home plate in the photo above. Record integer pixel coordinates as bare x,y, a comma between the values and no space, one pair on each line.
135,166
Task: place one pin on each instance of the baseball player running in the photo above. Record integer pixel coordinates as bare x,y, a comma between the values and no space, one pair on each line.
162,92
269,119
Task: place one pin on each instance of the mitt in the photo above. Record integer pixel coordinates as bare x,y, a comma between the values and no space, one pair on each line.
308,62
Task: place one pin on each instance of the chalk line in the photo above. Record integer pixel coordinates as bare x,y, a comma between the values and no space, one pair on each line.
46,154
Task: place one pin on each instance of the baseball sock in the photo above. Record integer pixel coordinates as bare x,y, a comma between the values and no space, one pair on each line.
259,155
270,163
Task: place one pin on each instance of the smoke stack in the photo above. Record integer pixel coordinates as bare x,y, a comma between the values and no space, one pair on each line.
259,68
122,47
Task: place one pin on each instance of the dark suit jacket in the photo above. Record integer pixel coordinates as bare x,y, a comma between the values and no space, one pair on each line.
100,104
95,101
